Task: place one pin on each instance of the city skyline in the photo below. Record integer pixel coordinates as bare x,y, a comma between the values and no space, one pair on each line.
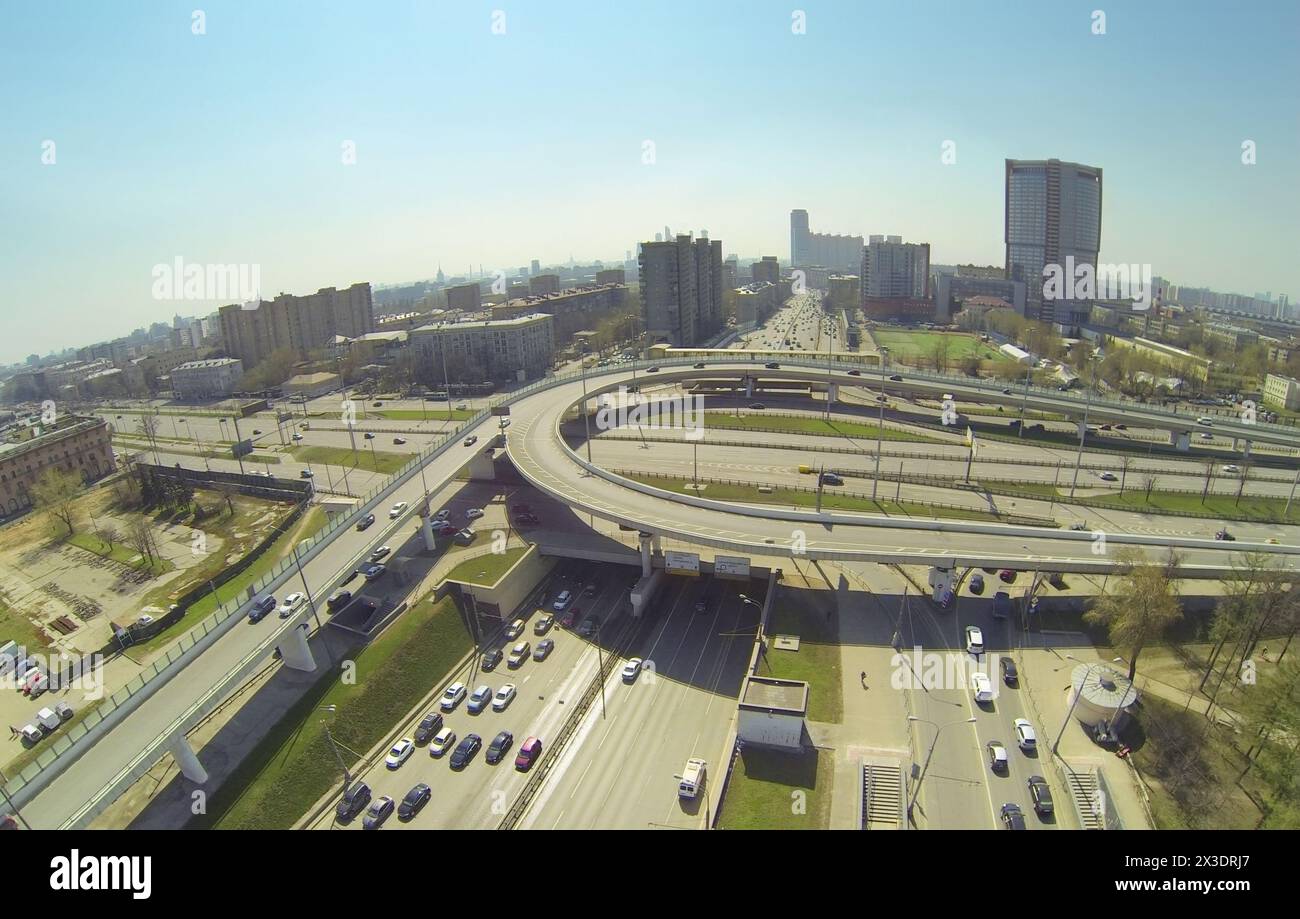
235,164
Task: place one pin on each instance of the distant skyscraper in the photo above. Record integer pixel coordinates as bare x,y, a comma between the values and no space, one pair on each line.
1053,212
799,237
825,250
536,267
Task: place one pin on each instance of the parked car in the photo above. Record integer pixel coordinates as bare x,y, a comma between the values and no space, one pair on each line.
429,726
529,751
443,741
499,747
504,696
1026,736
400,753
443,514
1007,576
465,751
492,658
1041,794
453,696
518,654
261,606
473,513
353,802
479,699
380,811
543,649
414,802
997,756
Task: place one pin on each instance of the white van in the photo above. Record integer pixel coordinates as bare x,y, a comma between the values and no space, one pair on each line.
693,776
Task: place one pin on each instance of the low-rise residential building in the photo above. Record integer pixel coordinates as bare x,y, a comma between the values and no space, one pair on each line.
513,349
72,444
1282,392
310,385
195,381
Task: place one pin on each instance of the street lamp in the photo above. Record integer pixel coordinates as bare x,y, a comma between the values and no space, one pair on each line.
347,775
586,418
1082,683
938,729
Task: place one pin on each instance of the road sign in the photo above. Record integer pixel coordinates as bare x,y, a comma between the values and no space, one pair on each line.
501,410
682,563
731,566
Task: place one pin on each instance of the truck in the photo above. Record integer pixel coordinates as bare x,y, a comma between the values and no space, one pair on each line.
693,777
47,719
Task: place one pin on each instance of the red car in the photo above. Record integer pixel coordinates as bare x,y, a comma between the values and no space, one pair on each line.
569,617
1007,576
529,751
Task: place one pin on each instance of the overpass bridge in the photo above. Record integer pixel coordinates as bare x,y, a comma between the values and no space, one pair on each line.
151,716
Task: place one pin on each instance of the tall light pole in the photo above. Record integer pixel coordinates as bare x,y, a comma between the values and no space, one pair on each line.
586,418
1083,432
938,729
347,776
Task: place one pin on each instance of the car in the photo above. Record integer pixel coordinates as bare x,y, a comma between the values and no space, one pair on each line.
1273,541
772,365
518,654
305,474
465,751
998,761
1078,525
1001,605
1006,392
855,373
1007,576
652,370
514,630
378,404
365,522
453,696
373,571
529,751
443,741
590,626
479,699
430,725
631,669
757,406
1231,469
414,802
982,686
292,604
261,606
1121,427
706,602
473,513
1108,477
396,510
296,436
974,640
505,695
1012,817
592,588
499,747
399,440
977,584
379,811
1105,427
562,601
400,753
543,649
355,798
830,478
1206,435
1010,675
491,659
543,624
896,379
527,519
882,398
1202,421
380,553
369,436
1225,536
338,600
444,514
1040,793
470,441
256,432
699,366
1026,736
569,617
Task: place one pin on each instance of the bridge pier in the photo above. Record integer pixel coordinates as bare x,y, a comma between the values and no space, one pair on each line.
295,651
426,532
749,387
1180,440
1244,450
646,566
832,393
1082,429
183,753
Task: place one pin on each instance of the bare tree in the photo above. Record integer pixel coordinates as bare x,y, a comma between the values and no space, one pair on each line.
1123,472
1149,482
1141,605
56,492
140,537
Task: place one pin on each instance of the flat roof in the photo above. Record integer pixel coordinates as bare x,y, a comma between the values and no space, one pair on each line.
768,694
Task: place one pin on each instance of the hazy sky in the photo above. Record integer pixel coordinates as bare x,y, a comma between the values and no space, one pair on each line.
499,148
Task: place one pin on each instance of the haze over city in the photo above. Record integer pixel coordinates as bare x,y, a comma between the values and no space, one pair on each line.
474,148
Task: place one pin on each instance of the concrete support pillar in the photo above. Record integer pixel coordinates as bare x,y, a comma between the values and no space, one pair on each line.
426,531
480,466
749,387
833,393
1180,440
1082,429
295,652
1245,449
656,543
646,567
183,753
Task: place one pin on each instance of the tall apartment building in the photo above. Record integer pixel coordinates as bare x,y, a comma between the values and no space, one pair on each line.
611,276
467,298
681,289
766,271
1052,213
892,268
300,323
826,250
498,349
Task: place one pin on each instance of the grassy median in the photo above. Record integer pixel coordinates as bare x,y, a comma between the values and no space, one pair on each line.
485,570
786,424
294,766
380,461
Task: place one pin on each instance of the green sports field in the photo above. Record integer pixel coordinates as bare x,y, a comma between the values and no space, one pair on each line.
909,346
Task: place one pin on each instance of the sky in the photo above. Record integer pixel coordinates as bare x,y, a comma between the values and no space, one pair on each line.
483,138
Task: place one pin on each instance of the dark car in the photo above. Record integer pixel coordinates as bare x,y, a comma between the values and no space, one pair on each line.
354,801
1010,675
372,572
772,365
652,370
380,811
855,373
1225,535
369,436
500,745
1001,605
365,521
1041,794
543,649
431,725
1007,576
414,801
529,750
757,406
977,584
896,379
699,366
1012,817
492,658
263,606
830,478
339,600
465,751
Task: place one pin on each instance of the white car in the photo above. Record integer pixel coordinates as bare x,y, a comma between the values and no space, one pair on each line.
983,687
514,630
1107,476
396,510
562,601
291,605
380,553
473,513
442,514
1025,735
974,639
297,436
505,695
443,741
400,753
454,695
631,669
1230,469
